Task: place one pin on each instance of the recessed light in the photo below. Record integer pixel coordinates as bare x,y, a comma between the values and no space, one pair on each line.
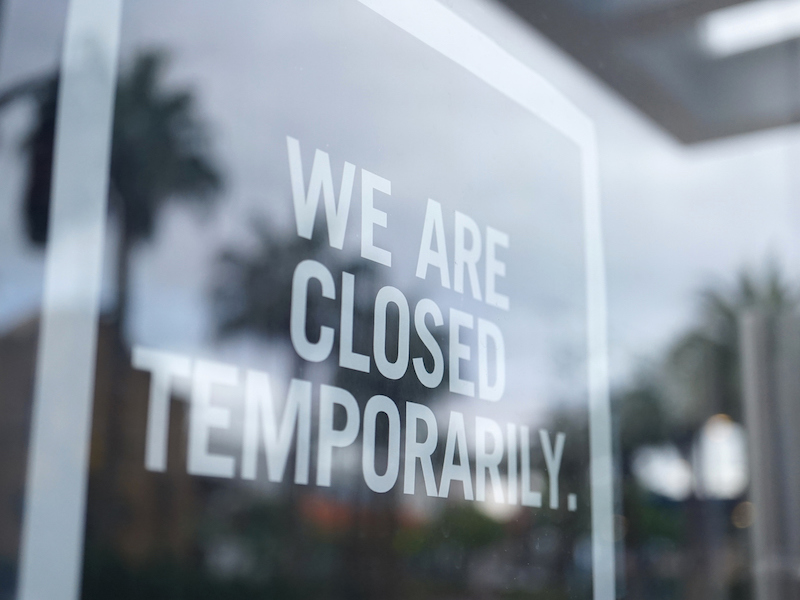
748,26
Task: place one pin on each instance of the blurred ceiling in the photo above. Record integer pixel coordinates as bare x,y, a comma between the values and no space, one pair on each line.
654,53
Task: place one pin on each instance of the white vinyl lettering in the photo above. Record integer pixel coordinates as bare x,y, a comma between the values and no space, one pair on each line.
529,497
420,451
433,378
305,272
487,390
321,183
458,352
511,439
381,483
433,227
260,409
204,416
391,370
236,416
495,268
456,440
164,368
466,256
347,358
553,461
486,461
371,216
330,438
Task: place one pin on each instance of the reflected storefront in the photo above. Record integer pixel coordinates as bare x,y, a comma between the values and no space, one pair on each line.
377,299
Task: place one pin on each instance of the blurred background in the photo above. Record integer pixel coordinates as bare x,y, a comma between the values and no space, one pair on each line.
695,103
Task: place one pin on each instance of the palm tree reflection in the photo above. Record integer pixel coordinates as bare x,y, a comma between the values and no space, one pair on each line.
160,153
685,543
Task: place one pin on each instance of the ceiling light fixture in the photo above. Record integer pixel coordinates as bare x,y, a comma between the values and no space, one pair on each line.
744,27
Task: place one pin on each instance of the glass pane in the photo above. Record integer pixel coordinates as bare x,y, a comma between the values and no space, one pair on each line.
376,300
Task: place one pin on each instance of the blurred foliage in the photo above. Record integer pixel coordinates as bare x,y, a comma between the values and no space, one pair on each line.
697,377
160,152
459,525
